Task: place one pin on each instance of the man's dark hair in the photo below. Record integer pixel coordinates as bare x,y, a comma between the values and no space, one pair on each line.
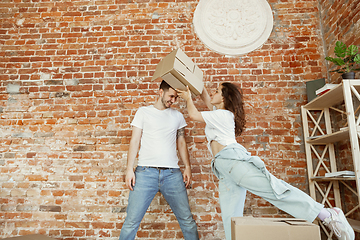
164,86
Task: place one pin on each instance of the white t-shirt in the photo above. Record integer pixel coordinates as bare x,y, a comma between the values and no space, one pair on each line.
158,140
220,126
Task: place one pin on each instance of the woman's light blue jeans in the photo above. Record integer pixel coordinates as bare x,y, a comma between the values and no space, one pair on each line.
149,181
237,170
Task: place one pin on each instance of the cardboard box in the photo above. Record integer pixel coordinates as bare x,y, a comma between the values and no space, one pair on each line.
250,228
30,237
179,71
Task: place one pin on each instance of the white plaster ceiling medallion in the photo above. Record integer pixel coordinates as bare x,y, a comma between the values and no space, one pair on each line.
233,27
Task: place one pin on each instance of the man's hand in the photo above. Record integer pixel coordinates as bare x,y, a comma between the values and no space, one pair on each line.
130,179
187,176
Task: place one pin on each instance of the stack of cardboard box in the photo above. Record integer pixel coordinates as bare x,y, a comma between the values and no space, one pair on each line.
179,71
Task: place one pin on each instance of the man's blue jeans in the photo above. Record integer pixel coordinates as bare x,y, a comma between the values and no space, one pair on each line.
149,181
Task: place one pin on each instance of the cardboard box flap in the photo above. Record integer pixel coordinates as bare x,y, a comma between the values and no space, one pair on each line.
250,221
298,222
187,78
185,60
250,228
198,73
175,84
180,68
162,68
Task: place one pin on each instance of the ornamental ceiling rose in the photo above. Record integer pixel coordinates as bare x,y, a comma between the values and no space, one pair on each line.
233,27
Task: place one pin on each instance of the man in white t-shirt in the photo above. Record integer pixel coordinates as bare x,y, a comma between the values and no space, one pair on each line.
159,131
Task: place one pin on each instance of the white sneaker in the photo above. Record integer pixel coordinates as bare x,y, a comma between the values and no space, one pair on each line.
338,224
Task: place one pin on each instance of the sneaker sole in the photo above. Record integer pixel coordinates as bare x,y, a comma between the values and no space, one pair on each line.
346,223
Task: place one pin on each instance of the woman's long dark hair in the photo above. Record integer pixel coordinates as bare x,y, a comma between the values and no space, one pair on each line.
233,101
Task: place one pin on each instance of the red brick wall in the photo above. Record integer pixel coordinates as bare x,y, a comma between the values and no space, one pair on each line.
73,74
341,21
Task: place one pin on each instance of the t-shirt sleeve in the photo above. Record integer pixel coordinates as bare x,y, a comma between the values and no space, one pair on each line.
138,119
182,122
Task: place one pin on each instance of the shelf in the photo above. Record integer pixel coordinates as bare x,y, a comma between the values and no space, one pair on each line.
354,224
330,98
330,138
328,179
316,119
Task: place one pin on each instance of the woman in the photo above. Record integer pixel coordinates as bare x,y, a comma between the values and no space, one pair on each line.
237,170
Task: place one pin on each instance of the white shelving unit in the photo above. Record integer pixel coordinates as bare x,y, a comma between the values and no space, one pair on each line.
321,136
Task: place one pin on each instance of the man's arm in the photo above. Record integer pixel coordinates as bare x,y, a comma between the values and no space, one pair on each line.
133,149
184,155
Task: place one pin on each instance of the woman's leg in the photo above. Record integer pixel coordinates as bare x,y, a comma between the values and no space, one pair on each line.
232,200
256,179
247,175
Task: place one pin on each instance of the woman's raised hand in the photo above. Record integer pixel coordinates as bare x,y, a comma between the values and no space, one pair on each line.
184,94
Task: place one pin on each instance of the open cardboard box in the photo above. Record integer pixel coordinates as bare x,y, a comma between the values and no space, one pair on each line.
30,237
179,71
250,228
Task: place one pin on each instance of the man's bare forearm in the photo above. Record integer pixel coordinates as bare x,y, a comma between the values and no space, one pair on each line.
133,148
182,147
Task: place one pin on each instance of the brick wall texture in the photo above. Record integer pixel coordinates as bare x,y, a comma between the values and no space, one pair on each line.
74,72
340,20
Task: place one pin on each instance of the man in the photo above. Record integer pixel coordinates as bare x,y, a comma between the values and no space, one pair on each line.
159,131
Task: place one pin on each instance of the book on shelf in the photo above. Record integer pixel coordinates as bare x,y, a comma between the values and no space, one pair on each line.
327,87
315,137
341,174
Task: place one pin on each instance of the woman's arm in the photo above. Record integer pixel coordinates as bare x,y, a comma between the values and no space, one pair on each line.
206,98
192,110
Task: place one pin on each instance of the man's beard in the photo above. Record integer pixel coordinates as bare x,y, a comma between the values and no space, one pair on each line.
164,103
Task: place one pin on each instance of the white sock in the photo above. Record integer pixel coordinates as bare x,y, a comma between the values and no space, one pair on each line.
323,214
